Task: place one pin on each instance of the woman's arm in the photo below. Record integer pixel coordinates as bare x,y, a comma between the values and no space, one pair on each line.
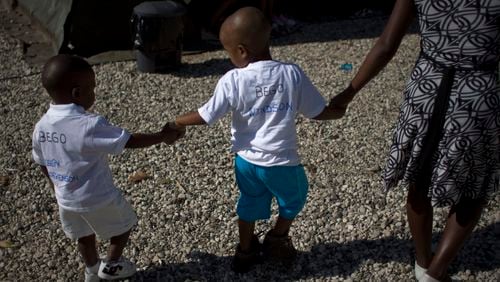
382,52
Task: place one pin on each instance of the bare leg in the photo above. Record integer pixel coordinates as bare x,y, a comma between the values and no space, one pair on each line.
419,213
246,230
462,219
88,249
277,244
116,246
282,227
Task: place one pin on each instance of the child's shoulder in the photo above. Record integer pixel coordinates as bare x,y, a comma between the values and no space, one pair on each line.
88,118
95,120
91,119
290,70
40,123
288,64
231,76
259,66
293,67
94,116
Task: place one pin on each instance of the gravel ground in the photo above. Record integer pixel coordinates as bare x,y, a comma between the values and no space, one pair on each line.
348,231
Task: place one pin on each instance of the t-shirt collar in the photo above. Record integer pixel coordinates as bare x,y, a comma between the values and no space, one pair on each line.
66,109
261,63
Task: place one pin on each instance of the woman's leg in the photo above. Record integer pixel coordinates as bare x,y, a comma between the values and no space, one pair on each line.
419,214
462,219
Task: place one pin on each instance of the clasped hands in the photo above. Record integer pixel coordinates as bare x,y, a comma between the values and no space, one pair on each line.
172,132
342,100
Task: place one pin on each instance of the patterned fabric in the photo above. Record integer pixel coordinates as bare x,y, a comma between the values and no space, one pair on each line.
462,36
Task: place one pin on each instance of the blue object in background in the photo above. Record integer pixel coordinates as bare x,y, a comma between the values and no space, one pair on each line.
346,67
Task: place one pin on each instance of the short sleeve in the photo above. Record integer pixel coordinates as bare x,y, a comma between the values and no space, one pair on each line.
107,138
36,151
219,104
311,103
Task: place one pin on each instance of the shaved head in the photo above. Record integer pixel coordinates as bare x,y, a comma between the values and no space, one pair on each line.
247,27
69,79
59,72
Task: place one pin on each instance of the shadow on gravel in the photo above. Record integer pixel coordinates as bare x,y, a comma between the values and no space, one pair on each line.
216,67
328,260
345,29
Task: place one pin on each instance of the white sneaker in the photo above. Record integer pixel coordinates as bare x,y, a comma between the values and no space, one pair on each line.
120,269
419,271
427,278
91,277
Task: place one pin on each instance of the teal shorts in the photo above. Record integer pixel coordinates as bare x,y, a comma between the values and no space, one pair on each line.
258,185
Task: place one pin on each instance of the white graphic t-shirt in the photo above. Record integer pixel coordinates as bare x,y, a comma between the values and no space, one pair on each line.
264,99
74,146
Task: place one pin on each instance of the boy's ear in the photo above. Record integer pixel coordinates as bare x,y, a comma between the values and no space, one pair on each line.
243,51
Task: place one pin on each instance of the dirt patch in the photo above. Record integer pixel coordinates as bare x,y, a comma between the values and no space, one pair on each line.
36,46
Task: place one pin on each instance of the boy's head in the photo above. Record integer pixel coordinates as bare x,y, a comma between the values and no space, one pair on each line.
245,36
69,79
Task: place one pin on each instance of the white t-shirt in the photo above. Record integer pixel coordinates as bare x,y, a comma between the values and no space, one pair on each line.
264,99
74,146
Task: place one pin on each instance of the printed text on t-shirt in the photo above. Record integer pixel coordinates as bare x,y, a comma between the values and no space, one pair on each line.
52,163
62,177
271,108
262,91
51,137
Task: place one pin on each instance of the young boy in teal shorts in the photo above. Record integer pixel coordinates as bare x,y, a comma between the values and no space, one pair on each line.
264,97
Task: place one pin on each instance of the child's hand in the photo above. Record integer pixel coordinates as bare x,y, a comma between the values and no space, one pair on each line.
173,132
180,128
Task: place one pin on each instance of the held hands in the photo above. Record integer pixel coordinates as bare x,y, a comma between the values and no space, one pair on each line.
342,100
338,105
172,132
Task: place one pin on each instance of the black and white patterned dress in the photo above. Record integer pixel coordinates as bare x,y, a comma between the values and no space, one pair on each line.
447,137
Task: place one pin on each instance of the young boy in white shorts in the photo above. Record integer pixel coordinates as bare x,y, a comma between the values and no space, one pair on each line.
71,146
264,97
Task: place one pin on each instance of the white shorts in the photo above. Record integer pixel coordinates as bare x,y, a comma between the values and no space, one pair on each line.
111,220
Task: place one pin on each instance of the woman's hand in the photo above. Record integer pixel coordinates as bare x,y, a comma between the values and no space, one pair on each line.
343,99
